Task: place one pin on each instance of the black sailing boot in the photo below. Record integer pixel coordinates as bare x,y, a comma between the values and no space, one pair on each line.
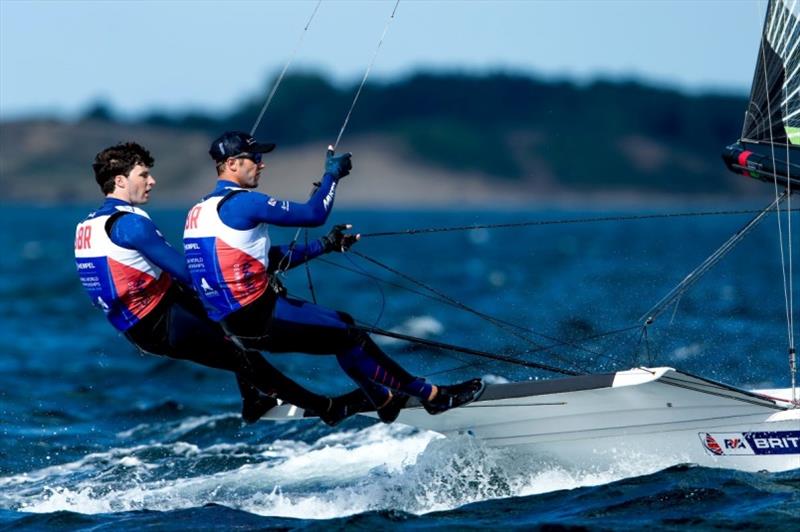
254,403
388,412
454,395
344,406
255,407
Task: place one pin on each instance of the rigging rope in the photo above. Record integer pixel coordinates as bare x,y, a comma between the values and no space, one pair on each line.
792,350
490,319
336,144
286,259
532,223
308,276
283,72
366,75
468,351
775,183
787,284
558,342
676,293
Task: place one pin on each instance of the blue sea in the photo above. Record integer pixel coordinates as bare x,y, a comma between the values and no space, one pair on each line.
96,436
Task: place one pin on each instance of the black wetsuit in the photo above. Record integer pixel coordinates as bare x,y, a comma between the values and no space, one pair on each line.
233,267
179,328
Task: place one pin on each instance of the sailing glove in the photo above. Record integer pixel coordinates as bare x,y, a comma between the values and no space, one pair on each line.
338,240
338,165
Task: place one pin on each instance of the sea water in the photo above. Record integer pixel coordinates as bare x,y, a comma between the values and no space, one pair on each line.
96,435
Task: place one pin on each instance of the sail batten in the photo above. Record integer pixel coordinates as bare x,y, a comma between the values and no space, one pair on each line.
775,29
792,115
791,31
793,74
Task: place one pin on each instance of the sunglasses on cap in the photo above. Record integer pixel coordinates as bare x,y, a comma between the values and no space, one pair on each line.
255,157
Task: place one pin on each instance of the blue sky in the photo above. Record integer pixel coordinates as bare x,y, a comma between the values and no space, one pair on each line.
59,56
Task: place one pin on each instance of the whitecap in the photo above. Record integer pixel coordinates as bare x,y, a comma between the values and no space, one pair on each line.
342,473
419,326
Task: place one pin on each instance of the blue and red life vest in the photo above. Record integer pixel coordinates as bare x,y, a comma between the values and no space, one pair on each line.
228,266
120,281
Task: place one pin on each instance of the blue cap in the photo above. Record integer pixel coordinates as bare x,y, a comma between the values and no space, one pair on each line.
233,143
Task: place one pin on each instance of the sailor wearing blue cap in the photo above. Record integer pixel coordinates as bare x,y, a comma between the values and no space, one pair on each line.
234,265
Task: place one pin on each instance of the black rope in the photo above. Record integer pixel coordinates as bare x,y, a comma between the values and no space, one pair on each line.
681,288
637,351
424,341
443,298
468,351
460,349
308,273
564,221
361,271
558,342
500,323
462,306
451,370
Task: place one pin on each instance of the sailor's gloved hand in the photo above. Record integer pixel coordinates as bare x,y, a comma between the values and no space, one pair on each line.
338,165
338,240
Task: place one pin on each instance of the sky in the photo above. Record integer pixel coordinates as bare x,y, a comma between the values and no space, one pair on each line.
58,57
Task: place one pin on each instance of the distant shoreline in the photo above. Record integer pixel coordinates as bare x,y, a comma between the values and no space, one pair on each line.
566,202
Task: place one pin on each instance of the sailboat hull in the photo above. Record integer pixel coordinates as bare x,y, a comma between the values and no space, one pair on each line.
658,416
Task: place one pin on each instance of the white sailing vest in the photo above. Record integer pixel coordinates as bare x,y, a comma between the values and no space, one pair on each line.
120,281
228,266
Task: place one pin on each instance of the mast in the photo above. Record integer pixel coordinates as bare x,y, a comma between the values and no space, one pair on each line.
769,147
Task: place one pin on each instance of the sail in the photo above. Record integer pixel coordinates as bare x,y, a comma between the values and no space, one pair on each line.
773,113
769,147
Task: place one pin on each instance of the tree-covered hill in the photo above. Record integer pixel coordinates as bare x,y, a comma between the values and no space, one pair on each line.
510,128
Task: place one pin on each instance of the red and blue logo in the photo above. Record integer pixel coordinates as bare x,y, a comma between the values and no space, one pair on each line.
711,444
751,443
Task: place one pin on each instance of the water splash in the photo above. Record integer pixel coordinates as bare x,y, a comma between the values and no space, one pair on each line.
380,467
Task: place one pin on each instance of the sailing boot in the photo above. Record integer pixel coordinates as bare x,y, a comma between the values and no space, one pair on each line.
388,412
255,407
345,406
454,395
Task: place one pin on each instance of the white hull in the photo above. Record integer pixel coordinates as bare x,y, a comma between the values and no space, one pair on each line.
639,415
597,420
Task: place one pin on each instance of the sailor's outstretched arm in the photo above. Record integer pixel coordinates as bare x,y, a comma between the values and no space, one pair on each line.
140,233
245,211
287,256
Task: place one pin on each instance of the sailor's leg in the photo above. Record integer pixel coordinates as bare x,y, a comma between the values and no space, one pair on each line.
250,326
254,403
199,339
369,362
309,328
248,392
299,326
178,329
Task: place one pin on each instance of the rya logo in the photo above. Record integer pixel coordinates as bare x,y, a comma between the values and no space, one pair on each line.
751,443
734,443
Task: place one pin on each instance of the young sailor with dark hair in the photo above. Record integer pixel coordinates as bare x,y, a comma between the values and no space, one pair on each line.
142,285
234,268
